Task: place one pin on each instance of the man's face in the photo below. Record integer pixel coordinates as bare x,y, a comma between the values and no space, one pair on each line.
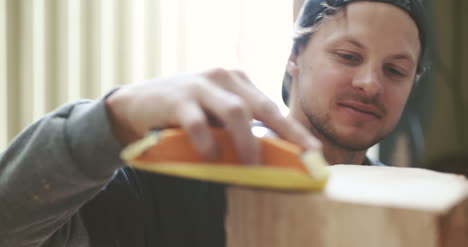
352,80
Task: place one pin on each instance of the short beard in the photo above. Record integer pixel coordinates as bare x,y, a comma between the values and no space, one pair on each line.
324,129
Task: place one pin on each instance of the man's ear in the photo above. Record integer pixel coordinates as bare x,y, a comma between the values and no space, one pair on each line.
292,67
292,71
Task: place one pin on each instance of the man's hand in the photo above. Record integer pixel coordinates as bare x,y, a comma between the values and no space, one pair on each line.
192,102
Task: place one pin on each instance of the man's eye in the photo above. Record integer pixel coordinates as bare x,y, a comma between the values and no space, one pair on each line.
394,71
349,58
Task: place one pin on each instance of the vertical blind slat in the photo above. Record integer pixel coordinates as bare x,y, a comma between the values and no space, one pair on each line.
152,40
137,39
13,31
61,51
90,59
123,42
106,45
94,85
25,74
50,59
38,57
169,24
73,68
3,77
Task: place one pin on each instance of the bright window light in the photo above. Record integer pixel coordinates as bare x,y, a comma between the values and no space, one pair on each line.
254,36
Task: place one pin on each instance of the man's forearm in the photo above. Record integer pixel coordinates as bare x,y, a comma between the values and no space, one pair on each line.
50,170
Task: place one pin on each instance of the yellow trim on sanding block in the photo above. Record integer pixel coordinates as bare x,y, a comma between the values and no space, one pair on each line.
256,176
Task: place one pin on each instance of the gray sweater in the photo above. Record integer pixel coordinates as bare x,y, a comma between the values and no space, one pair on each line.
50,170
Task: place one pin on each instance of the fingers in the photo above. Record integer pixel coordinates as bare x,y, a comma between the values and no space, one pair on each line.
193,120
287,128
294,132
192,101
265,110
231,110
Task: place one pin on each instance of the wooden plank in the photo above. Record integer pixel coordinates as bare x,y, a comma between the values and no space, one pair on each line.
361,206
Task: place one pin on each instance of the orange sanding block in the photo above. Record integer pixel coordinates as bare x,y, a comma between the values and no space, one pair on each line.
284,165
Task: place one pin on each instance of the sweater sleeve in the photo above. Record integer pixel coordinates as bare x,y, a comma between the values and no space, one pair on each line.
50,170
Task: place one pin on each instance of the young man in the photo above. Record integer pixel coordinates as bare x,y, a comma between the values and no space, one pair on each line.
62,183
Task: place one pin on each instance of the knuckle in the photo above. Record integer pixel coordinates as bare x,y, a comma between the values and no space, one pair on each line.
169,102
240,73
221,77
199,135
218,73
266,106
196,125
236,108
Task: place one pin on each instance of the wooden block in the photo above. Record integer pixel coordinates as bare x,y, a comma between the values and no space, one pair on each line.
361,206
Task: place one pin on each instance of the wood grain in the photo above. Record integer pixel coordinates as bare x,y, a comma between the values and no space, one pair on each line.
361,206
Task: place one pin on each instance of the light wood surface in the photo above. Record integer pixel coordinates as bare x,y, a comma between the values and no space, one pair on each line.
361,206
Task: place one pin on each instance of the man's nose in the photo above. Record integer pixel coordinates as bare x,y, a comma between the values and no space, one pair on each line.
368,81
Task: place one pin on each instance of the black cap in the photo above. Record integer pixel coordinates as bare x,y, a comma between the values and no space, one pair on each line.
312,12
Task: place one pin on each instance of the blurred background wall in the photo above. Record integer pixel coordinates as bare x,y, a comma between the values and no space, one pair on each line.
433,132
447,133
55,51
